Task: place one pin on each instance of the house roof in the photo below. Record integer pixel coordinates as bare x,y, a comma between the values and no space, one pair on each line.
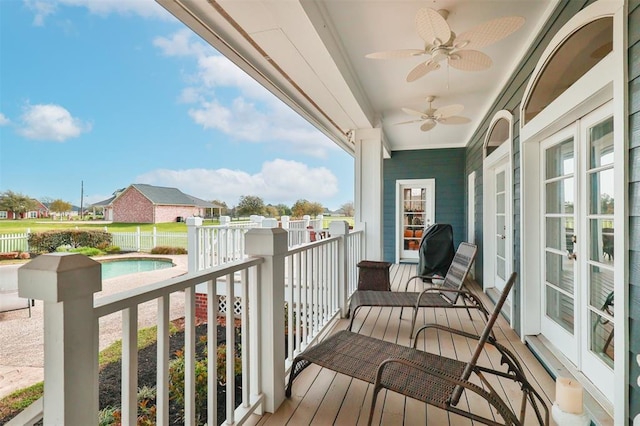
161,195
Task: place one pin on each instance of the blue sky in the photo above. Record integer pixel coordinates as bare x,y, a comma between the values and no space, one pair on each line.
115,92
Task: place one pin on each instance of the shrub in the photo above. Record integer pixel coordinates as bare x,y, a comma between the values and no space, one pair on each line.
111,416
49,241
112,249
168,250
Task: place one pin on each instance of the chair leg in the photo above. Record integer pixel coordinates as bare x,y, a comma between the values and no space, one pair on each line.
374,397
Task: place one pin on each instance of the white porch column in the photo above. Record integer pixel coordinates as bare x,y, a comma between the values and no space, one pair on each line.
66,283
340,228
272,244
368,189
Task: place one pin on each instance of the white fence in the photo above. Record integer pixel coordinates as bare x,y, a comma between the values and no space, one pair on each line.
229,245
14,242
313,281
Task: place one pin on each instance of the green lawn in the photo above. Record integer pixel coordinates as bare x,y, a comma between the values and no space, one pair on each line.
39,225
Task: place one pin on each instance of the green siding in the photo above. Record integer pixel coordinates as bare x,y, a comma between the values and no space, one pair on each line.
446,166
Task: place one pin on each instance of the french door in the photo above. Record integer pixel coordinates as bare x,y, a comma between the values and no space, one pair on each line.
501,232
577,244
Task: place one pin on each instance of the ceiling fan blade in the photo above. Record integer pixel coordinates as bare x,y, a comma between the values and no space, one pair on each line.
448,111
488,32
428,125
432,27
470,60
456,119
422,69
414,112
396,54
408,122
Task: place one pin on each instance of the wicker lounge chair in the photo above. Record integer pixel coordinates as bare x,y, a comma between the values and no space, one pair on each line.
449,294
431,378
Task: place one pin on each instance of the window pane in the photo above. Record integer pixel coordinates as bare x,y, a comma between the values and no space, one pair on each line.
559,159
601,242
560,308
601,338
601,190
559,271
577,55
559,233
601,137
559,196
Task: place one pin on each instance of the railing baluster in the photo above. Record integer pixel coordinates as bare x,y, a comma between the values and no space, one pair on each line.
162,374
190,356
231,350
212,352
129,384
300,283
245,343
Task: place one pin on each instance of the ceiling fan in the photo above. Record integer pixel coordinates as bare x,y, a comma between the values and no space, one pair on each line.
432,116
441,44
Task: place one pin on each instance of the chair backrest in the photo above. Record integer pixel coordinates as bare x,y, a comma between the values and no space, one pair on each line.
458,270
457,392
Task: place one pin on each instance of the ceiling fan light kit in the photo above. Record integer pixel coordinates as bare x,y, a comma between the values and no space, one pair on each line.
433,116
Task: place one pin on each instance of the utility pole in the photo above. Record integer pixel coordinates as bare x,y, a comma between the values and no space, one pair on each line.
81,200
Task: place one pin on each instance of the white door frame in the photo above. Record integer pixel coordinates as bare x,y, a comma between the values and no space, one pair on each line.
605,81
500,157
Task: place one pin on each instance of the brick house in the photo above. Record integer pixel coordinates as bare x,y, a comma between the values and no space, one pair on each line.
142,203
37,212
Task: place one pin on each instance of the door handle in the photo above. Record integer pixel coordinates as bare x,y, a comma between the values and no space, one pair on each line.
502,236
571,256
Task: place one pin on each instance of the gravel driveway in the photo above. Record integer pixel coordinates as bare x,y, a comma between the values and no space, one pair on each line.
21,337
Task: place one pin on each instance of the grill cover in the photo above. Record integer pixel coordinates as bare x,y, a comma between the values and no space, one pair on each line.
436,250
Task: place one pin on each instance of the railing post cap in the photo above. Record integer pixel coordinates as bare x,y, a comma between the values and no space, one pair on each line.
339,227
266,241
56,277
194,221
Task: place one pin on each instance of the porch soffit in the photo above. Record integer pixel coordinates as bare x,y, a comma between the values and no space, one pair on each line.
311,54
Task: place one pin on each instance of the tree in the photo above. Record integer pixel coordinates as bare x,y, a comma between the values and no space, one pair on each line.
283,210
16,203
303,207
59,206
271,211
348,209
250,204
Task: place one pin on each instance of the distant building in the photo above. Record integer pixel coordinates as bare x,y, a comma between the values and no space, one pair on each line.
37,212
142,203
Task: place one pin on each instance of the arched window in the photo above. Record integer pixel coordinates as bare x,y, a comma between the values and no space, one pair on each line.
499,132
580,52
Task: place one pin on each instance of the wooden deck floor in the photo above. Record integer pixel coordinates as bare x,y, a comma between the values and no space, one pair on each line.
322,397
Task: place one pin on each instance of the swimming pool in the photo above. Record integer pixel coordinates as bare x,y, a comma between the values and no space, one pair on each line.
117,267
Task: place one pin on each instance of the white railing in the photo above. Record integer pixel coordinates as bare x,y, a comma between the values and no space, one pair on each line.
148,240
312,281
14,242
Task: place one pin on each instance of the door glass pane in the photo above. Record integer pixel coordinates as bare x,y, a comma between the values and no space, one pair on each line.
601,291
601,338
500,203
500,224
559,196
559,160
560,308
500,268
601,240
601,143
500,245
560,233
500,182
559,271
601,190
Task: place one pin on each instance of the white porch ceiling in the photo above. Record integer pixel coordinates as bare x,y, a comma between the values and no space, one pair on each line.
311,54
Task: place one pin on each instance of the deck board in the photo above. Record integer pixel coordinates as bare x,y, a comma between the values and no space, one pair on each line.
322,397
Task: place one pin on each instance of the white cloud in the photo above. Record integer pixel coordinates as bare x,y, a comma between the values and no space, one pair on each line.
279,181
144,8
254,115
41,9
4,120
50,123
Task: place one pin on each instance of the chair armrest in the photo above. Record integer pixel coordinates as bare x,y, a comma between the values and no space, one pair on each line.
415,277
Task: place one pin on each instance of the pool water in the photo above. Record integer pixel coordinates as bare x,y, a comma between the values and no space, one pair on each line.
116,268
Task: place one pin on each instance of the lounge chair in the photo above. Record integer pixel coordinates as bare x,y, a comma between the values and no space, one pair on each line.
431,378
449,294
